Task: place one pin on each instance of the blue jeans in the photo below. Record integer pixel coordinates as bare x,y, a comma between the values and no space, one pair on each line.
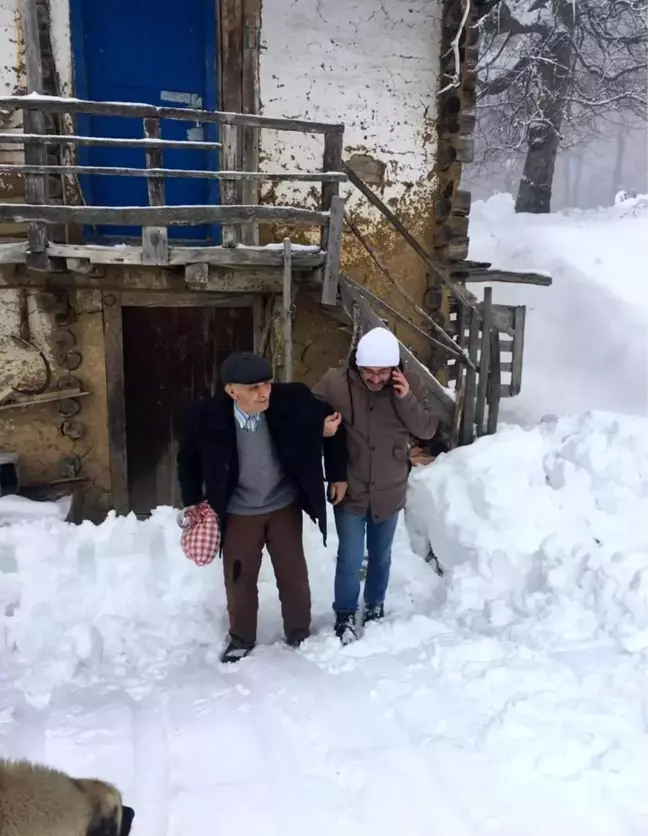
351,531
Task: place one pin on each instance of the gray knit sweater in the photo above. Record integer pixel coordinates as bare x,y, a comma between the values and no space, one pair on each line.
262,487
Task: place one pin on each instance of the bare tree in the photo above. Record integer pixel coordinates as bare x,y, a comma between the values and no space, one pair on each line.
551,70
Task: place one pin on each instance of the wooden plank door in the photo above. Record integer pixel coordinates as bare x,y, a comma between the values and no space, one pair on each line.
171,359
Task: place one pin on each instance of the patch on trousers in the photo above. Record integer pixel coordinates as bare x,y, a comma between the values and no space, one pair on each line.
237,568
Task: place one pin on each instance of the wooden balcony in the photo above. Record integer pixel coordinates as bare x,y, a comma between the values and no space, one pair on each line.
238,213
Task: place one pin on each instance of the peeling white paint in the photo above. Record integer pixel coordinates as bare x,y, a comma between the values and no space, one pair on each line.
9,47
62,45
371,64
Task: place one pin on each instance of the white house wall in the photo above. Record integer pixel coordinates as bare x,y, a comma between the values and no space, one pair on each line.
371,64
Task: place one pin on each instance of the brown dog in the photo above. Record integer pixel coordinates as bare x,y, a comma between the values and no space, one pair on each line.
38,801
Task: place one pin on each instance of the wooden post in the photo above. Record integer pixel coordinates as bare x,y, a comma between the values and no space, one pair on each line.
519,316
470,387
251,104
484,361
155,239
230,188
333,145
34,123
114,352
494,383
287,312
460,379
333,252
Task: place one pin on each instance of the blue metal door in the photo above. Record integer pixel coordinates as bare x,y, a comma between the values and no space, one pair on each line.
160,52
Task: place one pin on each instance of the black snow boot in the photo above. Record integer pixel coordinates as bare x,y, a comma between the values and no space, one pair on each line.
375,612
297,638
235,651
345,627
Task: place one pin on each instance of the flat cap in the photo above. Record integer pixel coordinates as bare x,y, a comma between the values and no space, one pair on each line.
245,367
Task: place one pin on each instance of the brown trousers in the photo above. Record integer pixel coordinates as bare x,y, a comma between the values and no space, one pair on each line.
245,537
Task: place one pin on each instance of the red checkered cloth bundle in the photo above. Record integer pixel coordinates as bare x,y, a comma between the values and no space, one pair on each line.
201,535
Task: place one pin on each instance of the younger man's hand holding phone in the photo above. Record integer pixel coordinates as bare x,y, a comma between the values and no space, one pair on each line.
400,384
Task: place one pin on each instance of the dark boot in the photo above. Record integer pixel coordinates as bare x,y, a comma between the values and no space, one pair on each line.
345,627
235,651
376,612
297,638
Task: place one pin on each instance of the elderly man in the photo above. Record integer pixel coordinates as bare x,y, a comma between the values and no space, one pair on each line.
257,449
381,408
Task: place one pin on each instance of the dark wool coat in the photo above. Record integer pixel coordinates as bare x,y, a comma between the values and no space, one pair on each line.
208,457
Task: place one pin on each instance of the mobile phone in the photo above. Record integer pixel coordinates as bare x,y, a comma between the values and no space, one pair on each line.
390,381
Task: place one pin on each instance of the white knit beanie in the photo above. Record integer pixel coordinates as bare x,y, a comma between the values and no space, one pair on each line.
378,349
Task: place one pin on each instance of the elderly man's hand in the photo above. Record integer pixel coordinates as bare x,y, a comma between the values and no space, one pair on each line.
331,424
337,492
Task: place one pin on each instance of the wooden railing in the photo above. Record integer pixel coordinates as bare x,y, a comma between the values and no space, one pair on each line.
239,220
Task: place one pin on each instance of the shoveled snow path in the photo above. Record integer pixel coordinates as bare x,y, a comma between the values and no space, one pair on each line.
423,726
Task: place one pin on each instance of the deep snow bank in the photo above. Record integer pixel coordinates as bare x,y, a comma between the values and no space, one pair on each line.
120,594
542,531
586,341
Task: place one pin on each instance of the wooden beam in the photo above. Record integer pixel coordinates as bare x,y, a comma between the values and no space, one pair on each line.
216,256
155,239
157,299
221,280
470,390
334,252
197,274
373,198
519,319
55,104
509,277
114,352
13,252
230,189
161,215
114,171
484,361
230,19
494,383
251,103
22,401
333,147
287,312
110,142
34,123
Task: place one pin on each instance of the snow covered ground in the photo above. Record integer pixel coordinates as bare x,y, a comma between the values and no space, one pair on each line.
506,698
586,344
